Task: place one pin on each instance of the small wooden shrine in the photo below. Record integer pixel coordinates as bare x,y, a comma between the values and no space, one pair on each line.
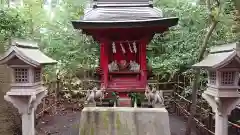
123,29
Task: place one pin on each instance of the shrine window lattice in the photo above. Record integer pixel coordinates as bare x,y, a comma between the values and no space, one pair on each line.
21,75
227,78
37,75
212,78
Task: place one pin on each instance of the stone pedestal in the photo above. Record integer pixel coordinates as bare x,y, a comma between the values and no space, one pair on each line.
124,121
221,122
222,106
26,105
28,123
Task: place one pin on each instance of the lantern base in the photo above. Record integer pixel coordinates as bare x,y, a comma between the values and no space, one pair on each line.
222,93
26,105
222,106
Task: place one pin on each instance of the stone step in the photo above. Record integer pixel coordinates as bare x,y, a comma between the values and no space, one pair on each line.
125,83
129,81
124,79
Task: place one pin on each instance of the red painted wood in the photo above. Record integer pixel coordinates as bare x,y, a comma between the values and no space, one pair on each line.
124,81
124,102
119,55
101,57
124,33
104,62
120,90
123,94
124,73
144,61
121,34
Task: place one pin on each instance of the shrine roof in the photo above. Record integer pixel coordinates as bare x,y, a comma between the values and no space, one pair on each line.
28,52
224,48
123,15
24,44
219,56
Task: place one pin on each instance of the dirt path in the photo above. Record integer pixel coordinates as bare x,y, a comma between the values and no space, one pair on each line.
177,125
66,123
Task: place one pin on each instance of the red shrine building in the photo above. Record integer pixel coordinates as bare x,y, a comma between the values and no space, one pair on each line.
123,28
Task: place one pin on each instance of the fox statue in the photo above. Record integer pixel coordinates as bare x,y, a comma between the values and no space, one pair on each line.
95,94
154,96
149,95
113,66
134,66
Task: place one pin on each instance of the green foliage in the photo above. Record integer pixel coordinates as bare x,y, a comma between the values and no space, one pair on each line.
169,53
12,24
72,49
177,49
138,97
52,28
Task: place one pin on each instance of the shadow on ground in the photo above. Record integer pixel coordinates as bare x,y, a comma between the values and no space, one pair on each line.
66,123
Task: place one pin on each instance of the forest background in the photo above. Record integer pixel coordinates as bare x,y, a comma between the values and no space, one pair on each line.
49,23
170,54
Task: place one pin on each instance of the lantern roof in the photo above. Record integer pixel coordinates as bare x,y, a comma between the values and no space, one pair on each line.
28,52
219,56
122,14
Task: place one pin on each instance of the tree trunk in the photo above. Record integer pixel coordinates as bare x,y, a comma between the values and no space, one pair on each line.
197,73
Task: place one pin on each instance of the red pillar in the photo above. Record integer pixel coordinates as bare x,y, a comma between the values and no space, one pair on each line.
143,61
104,62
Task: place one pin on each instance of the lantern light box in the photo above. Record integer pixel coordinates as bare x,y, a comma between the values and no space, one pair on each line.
26,62
223,65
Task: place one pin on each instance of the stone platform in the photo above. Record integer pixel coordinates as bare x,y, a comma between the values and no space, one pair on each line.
124,121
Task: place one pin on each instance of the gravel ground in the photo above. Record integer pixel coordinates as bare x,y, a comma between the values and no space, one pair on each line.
66,123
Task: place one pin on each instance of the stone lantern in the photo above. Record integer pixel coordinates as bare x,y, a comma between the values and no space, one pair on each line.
26,62
223,66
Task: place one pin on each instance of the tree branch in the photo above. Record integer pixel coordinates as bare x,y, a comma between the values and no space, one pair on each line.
197,73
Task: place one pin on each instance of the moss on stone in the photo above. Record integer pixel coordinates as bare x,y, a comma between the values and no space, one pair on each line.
91,130
118,121
84,128
83,131
105,116
122,128
87,129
